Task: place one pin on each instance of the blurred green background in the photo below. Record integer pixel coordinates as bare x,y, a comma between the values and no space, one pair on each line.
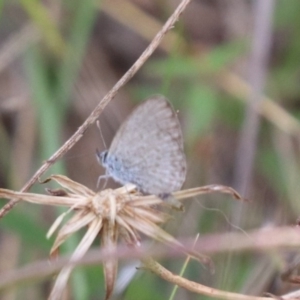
59,58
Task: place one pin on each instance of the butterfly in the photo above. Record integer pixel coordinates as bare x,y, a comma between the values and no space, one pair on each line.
147,150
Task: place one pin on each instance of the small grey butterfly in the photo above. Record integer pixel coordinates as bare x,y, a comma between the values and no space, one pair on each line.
147,150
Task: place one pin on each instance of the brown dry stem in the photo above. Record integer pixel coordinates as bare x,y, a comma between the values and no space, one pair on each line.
193,286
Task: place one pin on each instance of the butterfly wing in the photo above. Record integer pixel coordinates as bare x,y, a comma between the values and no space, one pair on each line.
149,147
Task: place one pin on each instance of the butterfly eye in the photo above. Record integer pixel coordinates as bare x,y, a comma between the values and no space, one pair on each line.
101,156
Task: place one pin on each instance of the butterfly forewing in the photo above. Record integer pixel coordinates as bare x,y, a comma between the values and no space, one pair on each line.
149,147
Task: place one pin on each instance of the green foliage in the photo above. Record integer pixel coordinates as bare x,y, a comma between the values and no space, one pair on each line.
26,227
201,111
145,287
189,67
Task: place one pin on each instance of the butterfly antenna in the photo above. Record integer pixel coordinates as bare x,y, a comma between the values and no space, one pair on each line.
101,134
98,155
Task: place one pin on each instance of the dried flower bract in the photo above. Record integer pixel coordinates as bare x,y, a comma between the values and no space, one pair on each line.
111,214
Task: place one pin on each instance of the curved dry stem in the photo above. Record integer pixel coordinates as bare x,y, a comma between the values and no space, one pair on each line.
101,105
193,286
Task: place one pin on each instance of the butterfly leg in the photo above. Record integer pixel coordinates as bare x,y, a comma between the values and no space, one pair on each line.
169,198
106,176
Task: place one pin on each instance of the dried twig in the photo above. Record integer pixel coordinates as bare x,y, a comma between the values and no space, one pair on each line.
101,105
193,286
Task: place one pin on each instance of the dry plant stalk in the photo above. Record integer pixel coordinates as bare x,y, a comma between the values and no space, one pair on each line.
111,215
101,105
192,286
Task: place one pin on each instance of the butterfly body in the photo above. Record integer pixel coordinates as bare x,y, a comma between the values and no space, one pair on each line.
148,149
